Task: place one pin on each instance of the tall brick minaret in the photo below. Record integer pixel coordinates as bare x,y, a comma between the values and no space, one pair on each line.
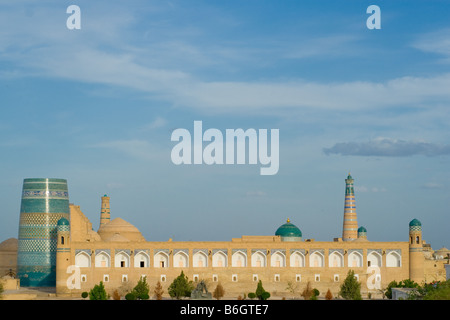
105,213
350,229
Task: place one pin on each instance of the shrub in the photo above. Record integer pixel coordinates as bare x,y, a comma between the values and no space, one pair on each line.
329,296
351,288
98,292
181,287
219,292
252,295
130,296
84,295
158,291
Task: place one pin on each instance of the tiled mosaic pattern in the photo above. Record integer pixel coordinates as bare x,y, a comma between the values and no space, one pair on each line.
44,202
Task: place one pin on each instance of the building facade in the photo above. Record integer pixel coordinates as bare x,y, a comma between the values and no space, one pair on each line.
118,255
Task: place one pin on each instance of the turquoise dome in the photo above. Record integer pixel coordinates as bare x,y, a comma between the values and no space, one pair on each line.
63,222
288,230
415,223
362,229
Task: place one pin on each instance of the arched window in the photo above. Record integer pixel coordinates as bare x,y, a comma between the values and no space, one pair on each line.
393,259
355,260
102,260
122,260
374,259
180,260
297,260
239,259
335,260
316,260
417,239
277,260
62,239
219,259
258,259
141,260
83,260
161,260
200,259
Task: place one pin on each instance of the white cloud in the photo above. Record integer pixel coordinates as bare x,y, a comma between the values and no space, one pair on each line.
388,147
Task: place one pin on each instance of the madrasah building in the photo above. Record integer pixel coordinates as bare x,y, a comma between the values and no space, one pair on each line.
58,247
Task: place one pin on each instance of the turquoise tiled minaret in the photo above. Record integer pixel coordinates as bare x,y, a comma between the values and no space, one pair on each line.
44,202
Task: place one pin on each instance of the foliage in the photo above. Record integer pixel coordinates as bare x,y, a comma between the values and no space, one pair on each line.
130,296
435,290
260,293
292,287
407,283
84,295
307,292
181,287
219,292
116,295
141,289
252,295
329,295
316,292
158,291
351,288
98,292
438,291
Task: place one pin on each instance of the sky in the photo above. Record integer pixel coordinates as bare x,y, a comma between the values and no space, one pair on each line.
97,106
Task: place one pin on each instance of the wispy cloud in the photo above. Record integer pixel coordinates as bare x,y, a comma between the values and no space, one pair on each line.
387,147
435,42
139,149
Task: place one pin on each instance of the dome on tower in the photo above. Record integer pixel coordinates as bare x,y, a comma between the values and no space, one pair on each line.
362,229
289,232
63,222
415,223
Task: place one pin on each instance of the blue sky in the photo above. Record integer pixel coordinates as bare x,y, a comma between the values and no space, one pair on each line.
97,107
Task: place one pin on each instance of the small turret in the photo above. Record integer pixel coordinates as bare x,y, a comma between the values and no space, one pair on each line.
416,257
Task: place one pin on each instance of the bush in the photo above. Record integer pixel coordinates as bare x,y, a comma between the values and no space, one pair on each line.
307,292
141,289
84,295
316,292
158,291
130,296
260,293
329,295
116,295
181,287
407,283
351,288
98,292
252,295
219,292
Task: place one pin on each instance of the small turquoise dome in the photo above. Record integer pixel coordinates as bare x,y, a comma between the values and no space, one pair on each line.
63,222
415,223
362,229
288,230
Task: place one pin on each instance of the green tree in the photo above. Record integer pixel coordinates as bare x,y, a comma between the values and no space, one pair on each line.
142,289
98,292
181,287
351,288
438,291
260,293
407,283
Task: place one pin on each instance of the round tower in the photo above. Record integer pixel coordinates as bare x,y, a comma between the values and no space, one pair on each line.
350,228
416,257
105,213
44,202
63,260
